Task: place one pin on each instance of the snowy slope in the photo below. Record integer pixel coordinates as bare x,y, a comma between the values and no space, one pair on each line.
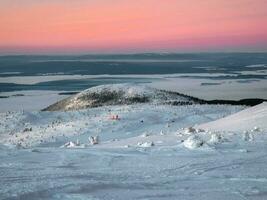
29,129
154,150
253,118
145,155
119,94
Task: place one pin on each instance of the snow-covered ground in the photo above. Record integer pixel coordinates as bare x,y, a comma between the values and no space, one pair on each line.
143,151
251,119
29,129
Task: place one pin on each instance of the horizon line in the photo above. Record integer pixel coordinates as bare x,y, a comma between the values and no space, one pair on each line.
131,53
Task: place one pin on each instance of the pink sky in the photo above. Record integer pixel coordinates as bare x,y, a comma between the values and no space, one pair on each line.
106,26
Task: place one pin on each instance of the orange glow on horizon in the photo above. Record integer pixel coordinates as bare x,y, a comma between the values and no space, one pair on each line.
121,25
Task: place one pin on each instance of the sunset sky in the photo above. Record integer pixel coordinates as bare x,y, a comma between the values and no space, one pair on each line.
111,26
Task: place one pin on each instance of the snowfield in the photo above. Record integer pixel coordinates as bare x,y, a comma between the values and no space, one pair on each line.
147,150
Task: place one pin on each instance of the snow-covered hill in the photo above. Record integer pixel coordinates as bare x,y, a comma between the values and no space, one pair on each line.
120,94
253,118
28,129
153,116
150,150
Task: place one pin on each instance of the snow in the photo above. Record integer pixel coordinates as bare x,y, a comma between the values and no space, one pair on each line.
93,140
216,139
119,94
72,144
229,172
189,130
253,119
57,127
248,136
155,151
145,144
193,142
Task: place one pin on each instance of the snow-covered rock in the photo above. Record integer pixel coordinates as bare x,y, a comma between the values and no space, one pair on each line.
256,129
145,134
216,139
145,144
247,136
199,130
189,130
93,140
72,145
193,142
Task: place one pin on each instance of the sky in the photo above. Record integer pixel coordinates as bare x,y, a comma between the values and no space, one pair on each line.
112,26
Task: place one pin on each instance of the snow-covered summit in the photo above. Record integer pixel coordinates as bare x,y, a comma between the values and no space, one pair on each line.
119,94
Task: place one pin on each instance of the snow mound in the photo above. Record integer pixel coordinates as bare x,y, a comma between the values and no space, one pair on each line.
253,119
72,144
193,142
119,94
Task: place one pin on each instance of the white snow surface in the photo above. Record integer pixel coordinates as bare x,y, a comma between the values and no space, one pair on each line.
251,119
193,142
135,120
151,152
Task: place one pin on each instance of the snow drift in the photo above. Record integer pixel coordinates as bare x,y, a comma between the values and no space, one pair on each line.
251,119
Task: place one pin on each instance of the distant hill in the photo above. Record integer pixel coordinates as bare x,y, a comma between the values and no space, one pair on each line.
120,94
